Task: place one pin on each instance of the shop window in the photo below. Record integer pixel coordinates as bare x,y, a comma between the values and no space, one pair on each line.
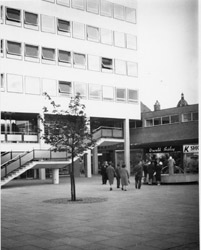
119,12
93,6
132,95
131,42
31,20
1,14
130,14
119,39
13,16
80,88
157,121
132,69
165,120
65,87
78,4
106,8
186,117
149,122
108,93
174,118
106,36
31,51
120,67
48,54
79,60
2,82
78,30
14,49
107,64
63,27
2,48
93,34
64,57
49,86
94,63
64,2
47,24
14,83
120,95
32,85
95,91
195,116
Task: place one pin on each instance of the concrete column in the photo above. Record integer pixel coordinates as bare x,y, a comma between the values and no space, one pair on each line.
95,160
88,163
42,175
127,144
55,176
35,173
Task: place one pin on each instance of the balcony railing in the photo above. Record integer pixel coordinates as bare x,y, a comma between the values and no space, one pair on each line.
107,132
19,137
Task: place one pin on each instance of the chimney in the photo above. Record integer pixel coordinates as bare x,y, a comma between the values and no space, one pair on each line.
157,106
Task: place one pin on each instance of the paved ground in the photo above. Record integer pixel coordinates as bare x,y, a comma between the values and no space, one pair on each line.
153,218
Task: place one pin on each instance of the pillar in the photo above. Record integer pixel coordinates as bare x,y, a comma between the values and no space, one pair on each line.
127,144
55,176
95,160
42,175
35,173
88,174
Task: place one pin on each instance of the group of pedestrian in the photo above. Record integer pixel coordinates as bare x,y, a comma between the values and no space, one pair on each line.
152,169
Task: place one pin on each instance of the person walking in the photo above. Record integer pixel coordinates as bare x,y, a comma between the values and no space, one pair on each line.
150,170
103,172
145,166
138,169
158,169
124,177
117,173
110,175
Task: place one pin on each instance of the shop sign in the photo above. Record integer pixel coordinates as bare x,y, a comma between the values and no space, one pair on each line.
190,148
165,149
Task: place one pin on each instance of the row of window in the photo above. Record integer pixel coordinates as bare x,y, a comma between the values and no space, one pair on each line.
36,86
15,50
67,28
102,7
186,117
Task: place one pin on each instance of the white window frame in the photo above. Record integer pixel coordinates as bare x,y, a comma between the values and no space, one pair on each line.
50,20
49,86
92,6
131,18
130,69
51,1
84,85
31,25
171,118
1,14
61,31
32,58
95,88
11,85
64,2
106,8
131,42
119,39
76,30
63,62
78,4
105,68
93,63
2,48
89,32
36,89
128,95
120,67
48,59
119,99
107,93
108,34
79,65
13,21
13,54
157,119
116,8
63,92
184,120
2,79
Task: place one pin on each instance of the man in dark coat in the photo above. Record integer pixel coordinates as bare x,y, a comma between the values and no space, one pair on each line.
104,173
117,173
138,169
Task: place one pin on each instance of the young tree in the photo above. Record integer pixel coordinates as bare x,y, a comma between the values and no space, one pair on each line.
68,130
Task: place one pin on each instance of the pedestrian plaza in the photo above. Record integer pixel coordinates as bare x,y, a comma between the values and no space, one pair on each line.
35,216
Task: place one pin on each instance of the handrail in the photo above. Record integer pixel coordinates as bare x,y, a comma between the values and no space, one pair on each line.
105,127
13,159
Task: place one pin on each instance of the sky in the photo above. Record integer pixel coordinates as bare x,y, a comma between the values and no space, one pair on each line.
168,51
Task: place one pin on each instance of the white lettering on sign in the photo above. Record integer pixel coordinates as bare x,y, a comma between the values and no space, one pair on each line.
169,149
154,150
190,148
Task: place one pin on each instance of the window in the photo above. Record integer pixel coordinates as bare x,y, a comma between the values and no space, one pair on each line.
2,48
165,120
131,42
63,27
48,54
78,4
130,15
108,93
132,69
13,16
64,2
120,67
32,85
64,57
80,88
14,48
106,8
49,86
30,20
79,60
94,63
186,117
95,91
195,116
31,51
1,14
174,118
121,95
107,64
92,33
14,83
157,121
119,12
65,87
2,82
106,36
132,95
93,6
48,24
78,30
119,39
149,123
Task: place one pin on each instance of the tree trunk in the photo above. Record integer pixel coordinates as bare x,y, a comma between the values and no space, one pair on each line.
72,177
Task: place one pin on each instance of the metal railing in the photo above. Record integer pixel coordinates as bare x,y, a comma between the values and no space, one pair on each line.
108,132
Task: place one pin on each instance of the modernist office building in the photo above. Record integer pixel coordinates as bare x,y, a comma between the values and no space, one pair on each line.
64,47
